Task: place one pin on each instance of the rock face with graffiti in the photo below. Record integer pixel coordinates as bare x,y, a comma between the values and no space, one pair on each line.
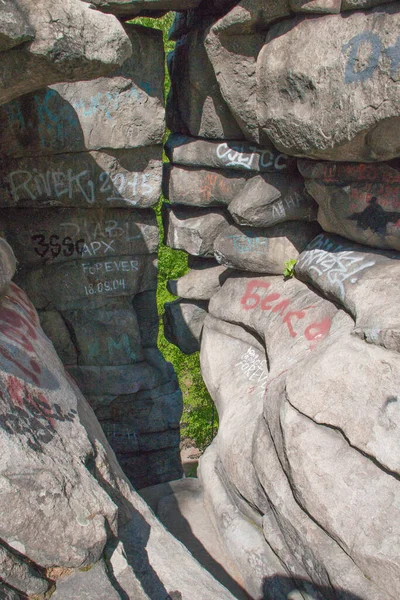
283,188
82,170
302,479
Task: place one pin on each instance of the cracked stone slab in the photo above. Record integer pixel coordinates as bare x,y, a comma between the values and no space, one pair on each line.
263,250
183,323
364,281
91,282
123,110
358,201
86,585
239,155
111,178
314,94
67,42
193,229
61,235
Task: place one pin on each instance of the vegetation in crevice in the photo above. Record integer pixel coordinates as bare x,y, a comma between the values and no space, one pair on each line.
199,419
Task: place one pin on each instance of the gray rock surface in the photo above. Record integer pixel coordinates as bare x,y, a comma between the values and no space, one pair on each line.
20,575
95,280
199,283
122,110
14,26
183,323
57,467
242,156
196,95
112,178
201,187
87,585
233,56
362,280
262,250
41,428
192,229
300,329
316,79
357,201
61,235
126,9
62,43
8,265
267,200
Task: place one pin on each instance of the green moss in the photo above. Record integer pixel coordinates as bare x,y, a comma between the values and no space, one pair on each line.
200,419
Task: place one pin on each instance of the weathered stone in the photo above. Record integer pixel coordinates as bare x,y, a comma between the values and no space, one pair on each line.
233,45
316,79
184,150
61,235
191,229
20,575
260,567
200,283
316,6
267,200
67,42
123,110
360,202
364,282
361,4
145,306
45,448
56,329
121,379
8,265
150,468
9,594
278,311
183,323
180,507
126,9
146,411
107,336
195,92
263,250
54,461
201,187
110,178
14,26
93,281
86,585
300,542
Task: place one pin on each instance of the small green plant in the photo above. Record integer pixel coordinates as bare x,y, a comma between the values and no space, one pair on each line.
288,271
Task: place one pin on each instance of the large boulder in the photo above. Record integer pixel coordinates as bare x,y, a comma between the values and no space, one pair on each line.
57,467
196,96
201,187
273,198
125,9
193,229
363,281
183,323
262,250
315,81
242,156
122,110
47,43
201,283
108,178
360,202
295,453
